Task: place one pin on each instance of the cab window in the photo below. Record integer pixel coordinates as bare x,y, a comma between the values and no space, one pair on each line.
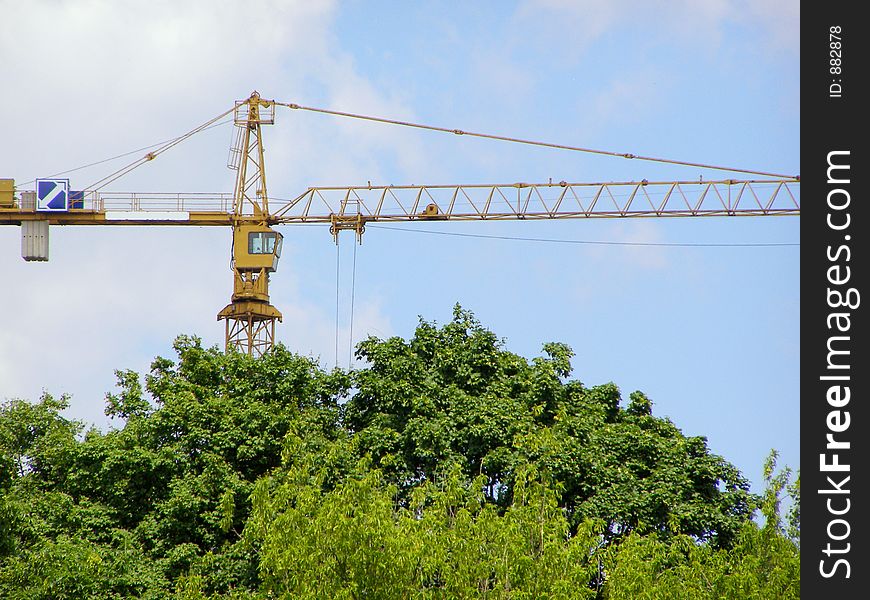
263,242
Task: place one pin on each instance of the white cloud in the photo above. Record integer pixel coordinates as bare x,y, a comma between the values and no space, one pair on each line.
117,73
115,76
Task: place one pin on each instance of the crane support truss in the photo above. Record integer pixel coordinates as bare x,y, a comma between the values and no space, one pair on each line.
250,326
544,201
250,318
351,207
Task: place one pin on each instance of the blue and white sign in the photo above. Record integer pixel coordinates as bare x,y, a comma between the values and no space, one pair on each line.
52,194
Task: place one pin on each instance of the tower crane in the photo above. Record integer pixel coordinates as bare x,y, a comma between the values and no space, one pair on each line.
256,245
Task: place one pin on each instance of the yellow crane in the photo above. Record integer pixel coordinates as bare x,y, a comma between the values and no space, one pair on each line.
256,246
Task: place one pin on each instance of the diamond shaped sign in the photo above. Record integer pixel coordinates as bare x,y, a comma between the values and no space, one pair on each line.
52,195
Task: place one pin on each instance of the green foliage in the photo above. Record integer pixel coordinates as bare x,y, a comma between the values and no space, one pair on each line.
762,563
452,394
448,467
69,568
175,480
757,566
355,541
129,403
35,439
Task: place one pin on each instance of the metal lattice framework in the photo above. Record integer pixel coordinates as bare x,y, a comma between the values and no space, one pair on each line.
545,201
250,318
250,334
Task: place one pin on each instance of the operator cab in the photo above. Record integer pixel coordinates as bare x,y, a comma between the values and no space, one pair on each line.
256,247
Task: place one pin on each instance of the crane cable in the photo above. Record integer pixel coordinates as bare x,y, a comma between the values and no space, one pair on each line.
110,159
533,142
152,155
337,306
337,320
591,242
352,293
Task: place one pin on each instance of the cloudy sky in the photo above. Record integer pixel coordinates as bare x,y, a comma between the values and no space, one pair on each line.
711,334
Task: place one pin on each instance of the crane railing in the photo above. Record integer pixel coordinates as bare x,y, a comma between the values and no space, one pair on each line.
126,208
140,202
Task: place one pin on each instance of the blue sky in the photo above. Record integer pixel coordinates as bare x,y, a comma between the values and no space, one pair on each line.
711,334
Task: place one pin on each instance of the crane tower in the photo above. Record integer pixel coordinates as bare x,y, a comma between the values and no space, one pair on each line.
250,318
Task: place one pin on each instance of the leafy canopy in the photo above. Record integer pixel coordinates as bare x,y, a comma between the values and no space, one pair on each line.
446,467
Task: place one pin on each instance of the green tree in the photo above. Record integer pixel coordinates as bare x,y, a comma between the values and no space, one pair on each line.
454,469
355,541
34,439
55,543
174,481
452,394
763,562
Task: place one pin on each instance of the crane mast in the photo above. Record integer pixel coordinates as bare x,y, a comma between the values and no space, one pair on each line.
250,317
256,246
